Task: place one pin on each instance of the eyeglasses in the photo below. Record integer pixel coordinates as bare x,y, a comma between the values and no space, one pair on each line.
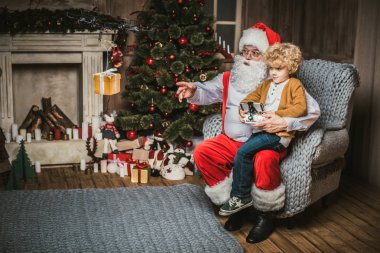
247,52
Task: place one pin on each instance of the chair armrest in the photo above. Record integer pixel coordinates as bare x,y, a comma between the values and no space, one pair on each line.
334,145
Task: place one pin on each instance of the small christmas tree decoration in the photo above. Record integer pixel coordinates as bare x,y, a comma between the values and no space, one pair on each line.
193,107
189,143
203,77
163,90
171,57
182,41
117,57
131,135
21,170
152,108
149,61
195,18
158,44
208,29
151,125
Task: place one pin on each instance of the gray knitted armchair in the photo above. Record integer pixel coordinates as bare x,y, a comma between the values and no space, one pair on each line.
313,167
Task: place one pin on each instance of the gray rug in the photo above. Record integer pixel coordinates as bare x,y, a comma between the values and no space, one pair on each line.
141,219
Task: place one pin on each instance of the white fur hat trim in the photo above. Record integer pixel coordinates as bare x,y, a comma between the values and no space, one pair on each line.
255,37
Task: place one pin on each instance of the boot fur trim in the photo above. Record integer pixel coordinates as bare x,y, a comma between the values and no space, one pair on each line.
220,193
272,200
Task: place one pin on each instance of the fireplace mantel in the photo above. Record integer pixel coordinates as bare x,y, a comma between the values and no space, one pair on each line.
48,48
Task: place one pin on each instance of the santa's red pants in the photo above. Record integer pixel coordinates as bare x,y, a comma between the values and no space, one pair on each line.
214,159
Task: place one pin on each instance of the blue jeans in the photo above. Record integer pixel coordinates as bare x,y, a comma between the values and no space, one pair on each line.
243,161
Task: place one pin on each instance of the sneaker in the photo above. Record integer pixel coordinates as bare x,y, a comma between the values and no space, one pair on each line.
235,204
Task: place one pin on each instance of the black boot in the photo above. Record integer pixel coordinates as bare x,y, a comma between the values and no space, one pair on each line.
262,230
235,221
104,155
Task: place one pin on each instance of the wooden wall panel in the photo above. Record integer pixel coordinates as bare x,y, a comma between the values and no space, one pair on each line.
363,158
323,29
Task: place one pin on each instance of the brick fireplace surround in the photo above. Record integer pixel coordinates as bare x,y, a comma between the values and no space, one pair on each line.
74,48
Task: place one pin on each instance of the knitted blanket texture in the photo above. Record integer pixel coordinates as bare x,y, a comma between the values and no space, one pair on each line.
134,219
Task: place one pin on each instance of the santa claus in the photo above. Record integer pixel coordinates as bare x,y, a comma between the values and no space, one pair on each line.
214,157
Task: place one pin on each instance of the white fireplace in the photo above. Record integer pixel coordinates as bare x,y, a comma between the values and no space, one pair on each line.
59,66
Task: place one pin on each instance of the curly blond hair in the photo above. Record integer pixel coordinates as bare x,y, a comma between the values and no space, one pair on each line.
283,55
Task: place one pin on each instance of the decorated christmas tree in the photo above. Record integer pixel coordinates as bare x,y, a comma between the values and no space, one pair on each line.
21,171
179,46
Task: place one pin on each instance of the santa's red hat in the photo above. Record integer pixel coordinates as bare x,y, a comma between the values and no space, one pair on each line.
260,36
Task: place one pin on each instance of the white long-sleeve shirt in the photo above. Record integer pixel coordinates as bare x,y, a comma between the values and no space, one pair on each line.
212,92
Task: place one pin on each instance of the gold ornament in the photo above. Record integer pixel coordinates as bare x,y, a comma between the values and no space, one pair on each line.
203,77
165,124
144,87
158,44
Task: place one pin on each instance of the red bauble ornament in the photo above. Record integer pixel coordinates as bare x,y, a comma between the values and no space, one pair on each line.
202,3
180,1
131,135
182,41
208,28
151,125
189,144
166,114
172,57
152,108
149,61
176,79
188,70
195,18
163,90
193,107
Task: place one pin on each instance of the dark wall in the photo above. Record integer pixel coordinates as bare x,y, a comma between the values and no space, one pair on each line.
323,29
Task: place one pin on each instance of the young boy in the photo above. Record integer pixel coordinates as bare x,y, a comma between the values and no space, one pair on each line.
282,95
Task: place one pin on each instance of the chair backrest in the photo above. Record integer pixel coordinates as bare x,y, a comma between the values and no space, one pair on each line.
332,85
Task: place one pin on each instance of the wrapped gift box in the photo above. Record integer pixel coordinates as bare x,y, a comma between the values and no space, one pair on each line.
106,83
124,161
123,145
140,154
140,173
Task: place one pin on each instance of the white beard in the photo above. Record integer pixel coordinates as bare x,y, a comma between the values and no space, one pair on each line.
246,78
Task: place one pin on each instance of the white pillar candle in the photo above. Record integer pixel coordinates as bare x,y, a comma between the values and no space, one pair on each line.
19,138
96,167
95,125
14,131
28,137
23,133
7,137
37,134
82,164
224,44
69,133
84,130
103,166
122,170
37,166
220,40
75,134
228,48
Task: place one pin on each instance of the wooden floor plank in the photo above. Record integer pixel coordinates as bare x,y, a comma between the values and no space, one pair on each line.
297,239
